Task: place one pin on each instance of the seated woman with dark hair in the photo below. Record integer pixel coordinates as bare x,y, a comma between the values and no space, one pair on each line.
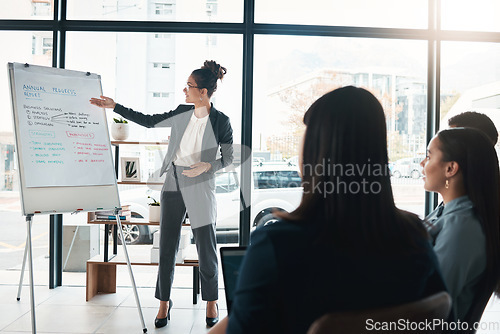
462,166
347,246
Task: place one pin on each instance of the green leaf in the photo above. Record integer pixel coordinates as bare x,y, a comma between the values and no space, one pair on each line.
121,120
155,203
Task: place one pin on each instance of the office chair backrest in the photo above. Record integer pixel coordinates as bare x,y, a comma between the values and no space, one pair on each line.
433,307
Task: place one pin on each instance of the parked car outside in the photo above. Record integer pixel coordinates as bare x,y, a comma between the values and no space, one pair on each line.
256,161
275,186
293,161
407,167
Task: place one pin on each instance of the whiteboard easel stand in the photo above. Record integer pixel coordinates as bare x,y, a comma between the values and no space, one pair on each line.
21,278
22,270
54,189
70,247
131,274
27,249
29,219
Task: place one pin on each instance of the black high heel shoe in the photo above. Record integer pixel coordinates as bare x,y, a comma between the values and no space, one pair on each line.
162,322
212,321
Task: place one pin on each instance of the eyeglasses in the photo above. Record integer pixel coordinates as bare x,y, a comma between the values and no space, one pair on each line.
187,86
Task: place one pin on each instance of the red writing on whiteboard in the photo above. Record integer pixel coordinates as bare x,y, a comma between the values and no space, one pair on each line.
81,135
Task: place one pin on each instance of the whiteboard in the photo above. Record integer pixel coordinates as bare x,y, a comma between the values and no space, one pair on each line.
62,141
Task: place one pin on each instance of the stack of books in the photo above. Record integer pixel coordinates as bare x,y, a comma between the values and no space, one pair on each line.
124,213
155,250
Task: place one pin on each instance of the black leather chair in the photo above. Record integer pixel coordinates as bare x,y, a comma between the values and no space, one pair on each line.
478,305
437,306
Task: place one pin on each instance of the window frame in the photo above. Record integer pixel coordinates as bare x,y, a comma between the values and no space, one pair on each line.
434,36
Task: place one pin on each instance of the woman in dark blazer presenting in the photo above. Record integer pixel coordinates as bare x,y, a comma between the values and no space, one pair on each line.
190,163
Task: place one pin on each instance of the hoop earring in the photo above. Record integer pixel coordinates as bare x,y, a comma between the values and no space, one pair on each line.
447,184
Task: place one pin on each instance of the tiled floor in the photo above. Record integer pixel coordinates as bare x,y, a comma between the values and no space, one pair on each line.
64,309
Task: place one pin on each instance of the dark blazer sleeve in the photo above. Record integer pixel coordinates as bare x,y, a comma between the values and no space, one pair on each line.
150,121
226,145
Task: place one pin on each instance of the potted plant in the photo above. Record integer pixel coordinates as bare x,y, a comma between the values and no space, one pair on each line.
154,211
119,129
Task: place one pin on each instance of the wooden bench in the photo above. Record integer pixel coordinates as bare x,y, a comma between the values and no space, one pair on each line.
101,276
101,269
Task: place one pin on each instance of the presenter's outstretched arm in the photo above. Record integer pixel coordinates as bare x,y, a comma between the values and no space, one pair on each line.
103,102
149,121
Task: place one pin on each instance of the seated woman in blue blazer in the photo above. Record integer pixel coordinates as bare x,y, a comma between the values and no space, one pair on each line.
462,166
347,246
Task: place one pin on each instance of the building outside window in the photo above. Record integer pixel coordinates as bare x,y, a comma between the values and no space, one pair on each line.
163,35
161,65
212,7
211,40
161,8
41,8
161,94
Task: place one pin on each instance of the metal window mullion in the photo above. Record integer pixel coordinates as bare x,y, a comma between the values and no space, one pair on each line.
433,85
154,26
30,25
339,31
437,96
55,35
246,122
60,60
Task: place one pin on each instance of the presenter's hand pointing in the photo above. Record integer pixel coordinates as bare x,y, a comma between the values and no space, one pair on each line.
103,102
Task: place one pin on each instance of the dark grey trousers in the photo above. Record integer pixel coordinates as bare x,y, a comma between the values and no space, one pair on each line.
173,212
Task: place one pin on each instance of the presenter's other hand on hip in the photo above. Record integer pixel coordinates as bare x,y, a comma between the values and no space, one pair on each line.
103,102
197,169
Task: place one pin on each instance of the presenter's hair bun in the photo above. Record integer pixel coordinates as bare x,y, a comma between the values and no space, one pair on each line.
207,76
215,68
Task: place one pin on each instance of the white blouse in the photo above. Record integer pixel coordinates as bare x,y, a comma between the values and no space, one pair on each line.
189,151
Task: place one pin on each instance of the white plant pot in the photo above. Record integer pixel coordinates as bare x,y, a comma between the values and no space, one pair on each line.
119,131
154,213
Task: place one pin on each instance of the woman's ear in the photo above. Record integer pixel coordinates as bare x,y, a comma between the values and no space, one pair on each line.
452,168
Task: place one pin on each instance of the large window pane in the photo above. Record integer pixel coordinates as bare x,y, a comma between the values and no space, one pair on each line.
33,48
28,49
470,81
478,15
292,72
157,10
147,72
27,9
363,13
